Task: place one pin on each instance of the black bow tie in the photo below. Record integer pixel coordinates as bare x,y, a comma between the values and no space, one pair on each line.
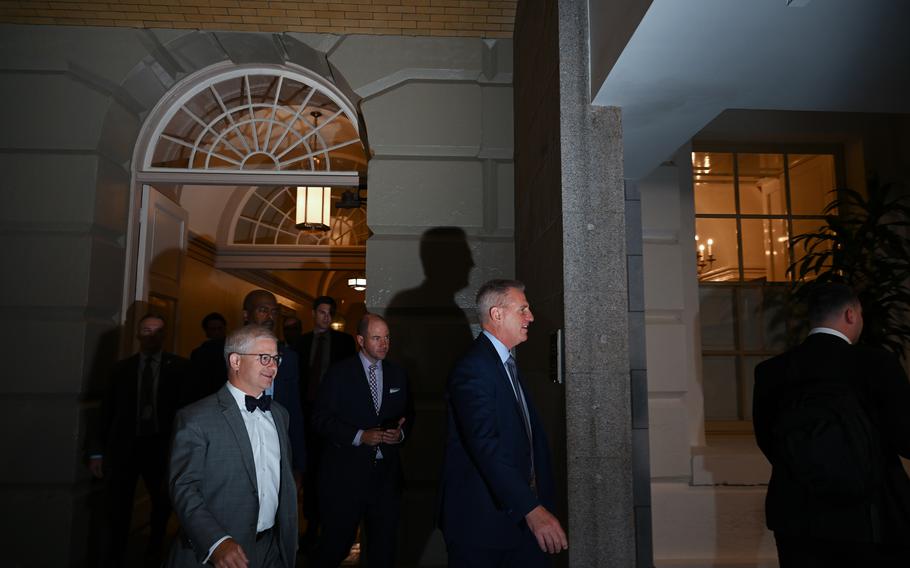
263,403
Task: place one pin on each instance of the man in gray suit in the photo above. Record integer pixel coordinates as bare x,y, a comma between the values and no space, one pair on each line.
230,468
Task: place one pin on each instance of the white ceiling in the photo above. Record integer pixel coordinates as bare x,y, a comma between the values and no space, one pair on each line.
689,60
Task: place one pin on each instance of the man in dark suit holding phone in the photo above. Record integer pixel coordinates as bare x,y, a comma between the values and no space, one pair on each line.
363,412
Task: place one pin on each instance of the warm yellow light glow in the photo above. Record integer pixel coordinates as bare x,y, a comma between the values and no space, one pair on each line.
359,284
314,207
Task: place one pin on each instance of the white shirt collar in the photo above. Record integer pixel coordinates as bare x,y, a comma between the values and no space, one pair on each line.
830,331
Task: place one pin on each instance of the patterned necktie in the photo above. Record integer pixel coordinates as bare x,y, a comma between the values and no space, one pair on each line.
374,388
146,424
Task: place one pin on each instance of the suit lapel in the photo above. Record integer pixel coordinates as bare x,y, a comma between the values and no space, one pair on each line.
388,383
283,442
231,413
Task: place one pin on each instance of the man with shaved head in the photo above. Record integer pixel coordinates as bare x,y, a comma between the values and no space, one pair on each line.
833,418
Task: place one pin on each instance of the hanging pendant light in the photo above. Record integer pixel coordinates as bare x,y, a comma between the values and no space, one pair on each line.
314,202
313,208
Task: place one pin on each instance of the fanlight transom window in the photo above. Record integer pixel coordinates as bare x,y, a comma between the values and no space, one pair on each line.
259,120
267,218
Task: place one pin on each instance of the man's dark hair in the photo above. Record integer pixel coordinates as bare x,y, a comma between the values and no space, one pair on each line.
826,300
363,326
325,300
214,316
151,315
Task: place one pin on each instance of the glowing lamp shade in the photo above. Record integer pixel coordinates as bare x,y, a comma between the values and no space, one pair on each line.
313,206
359,284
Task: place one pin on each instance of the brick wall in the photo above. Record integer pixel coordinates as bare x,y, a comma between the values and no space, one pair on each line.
471,18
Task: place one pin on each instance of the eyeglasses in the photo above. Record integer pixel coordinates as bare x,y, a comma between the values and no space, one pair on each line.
265,310
264,358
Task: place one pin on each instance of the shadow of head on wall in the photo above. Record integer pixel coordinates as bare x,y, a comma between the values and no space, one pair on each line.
429,332
413,313
446,261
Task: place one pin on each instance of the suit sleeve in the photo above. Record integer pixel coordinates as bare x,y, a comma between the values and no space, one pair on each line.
759,424
473,399
409,413
186,471
291,401
891,392
326,413
101,433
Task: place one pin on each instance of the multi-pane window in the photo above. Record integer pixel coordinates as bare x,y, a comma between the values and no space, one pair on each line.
747,206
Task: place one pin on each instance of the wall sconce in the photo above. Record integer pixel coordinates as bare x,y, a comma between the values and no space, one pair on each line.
359,284
313,206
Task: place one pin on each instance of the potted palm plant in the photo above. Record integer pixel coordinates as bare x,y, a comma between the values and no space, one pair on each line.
864,243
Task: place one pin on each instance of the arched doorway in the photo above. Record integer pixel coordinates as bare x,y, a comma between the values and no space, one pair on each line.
215,177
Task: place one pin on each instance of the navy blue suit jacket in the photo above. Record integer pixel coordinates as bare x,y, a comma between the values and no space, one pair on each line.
486,490
344,406
287,392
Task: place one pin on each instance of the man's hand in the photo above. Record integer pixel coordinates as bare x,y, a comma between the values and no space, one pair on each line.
96,466
393,436
228,554
546,528
371,437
